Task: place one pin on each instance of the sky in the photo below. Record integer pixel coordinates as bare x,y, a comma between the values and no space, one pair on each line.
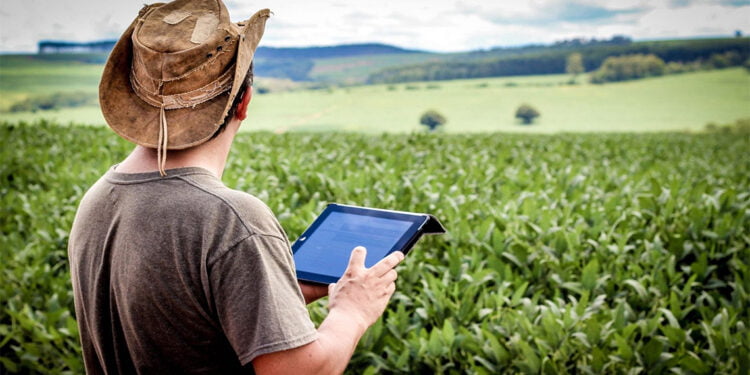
433,25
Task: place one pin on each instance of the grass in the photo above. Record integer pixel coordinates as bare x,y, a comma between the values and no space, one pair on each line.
672,103
24,75
685,102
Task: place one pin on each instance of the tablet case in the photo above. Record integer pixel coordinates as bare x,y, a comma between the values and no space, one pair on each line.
432,226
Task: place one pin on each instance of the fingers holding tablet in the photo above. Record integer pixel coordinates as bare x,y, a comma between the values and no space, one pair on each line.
363,292
388,263
357,258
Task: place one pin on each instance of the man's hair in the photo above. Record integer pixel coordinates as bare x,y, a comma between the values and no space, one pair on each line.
247,82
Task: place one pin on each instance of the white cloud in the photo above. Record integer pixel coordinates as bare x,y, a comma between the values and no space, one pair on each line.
449,25
688,21
25,22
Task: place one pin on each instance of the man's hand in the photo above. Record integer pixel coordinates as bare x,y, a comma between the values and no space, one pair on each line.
363,293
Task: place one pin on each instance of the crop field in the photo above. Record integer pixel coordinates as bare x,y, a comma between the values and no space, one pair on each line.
571,253
685,102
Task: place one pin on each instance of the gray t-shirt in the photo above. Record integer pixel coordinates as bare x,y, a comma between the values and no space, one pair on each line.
181,274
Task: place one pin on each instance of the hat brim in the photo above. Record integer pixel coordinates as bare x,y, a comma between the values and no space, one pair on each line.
137,121
250,37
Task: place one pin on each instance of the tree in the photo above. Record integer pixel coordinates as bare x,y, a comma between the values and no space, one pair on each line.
574,66
432,119
623,68
527,113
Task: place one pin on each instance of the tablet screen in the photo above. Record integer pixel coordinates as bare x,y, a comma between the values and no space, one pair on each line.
324,249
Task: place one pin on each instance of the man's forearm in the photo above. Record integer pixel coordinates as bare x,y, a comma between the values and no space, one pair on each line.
356,301
329,354
339,334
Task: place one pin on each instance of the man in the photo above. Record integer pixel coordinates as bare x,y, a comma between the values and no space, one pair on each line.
172,271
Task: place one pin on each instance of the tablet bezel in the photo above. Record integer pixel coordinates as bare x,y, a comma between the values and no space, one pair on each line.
405,242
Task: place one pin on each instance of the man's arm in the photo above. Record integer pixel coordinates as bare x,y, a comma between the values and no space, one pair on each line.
356,301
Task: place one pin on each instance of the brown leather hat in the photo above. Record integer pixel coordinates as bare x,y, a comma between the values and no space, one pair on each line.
173,75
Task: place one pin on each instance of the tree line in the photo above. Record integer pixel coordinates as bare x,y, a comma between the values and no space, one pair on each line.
718,52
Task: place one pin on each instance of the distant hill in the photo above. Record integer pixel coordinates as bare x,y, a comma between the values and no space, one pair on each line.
381,63
295,63
61,46
345,50
536,60
298,64
321,52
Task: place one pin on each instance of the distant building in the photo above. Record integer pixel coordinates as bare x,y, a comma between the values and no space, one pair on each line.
52,46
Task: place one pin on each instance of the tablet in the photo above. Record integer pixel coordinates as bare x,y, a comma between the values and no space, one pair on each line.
321,253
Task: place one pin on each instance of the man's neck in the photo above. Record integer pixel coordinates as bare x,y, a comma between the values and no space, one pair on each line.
211,155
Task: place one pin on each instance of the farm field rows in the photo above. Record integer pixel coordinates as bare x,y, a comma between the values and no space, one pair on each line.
685,102
569,253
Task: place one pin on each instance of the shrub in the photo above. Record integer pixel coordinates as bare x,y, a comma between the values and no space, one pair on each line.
679,67
432,119
724,60
527,113
623,68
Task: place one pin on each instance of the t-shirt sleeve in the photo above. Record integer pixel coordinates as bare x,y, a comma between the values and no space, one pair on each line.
257,299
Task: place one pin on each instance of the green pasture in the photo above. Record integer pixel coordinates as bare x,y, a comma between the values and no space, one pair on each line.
671,103
685,102
22,76
572,253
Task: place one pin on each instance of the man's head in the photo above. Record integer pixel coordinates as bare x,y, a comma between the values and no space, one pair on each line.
175,73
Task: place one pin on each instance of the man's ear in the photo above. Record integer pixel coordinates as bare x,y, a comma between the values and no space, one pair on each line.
241,112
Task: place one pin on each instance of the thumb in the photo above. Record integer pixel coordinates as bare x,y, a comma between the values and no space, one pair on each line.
357,258
331,287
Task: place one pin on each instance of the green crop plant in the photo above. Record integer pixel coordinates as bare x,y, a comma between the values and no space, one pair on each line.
570,253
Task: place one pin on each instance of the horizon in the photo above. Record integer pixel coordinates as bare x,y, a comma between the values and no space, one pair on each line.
532,44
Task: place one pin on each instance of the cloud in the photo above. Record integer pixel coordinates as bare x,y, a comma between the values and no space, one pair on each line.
440,25
553,11
709,20
729,3
574,12
76,20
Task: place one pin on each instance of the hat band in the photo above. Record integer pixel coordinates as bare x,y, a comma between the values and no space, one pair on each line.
177,101
187,99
